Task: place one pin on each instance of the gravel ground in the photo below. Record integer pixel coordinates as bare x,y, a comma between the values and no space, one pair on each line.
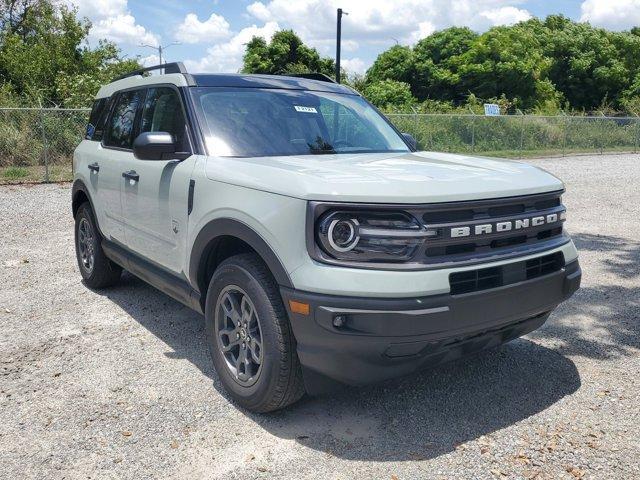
118,384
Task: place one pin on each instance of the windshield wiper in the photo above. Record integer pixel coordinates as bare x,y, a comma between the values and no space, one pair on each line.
320,147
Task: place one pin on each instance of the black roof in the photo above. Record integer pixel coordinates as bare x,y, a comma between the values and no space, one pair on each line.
240,80
302,81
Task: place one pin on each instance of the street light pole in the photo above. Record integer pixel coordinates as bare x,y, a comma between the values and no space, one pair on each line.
160,49
338,39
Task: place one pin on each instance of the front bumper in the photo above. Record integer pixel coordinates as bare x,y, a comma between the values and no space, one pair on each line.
384,338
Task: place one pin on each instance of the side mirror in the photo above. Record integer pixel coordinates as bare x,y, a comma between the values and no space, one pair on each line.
410,140
156,146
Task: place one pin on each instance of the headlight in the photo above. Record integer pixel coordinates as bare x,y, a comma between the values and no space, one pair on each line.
369,236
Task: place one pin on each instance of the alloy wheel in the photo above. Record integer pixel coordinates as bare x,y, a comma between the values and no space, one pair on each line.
86,245
238,335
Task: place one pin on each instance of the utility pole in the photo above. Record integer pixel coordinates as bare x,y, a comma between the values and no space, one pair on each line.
160,49
338,35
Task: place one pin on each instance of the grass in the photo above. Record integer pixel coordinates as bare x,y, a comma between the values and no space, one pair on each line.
15,173
549,152
35,174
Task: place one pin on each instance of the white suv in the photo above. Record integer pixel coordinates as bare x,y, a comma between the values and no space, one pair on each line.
320,246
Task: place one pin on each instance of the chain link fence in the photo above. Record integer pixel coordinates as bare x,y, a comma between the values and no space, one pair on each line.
37,145
519,136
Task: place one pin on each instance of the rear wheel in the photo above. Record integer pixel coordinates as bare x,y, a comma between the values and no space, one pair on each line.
249,336
96,269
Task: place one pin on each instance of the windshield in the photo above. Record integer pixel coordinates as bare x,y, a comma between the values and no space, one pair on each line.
243,122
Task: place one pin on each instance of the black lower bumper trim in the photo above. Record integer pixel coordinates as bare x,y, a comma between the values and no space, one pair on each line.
380,338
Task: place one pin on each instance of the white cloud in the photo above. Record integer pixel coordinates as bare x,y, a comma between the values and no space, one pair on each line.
353,65
227,56
192,30
505,15
259,11
425,29
612,14
123,29
112,20
384,21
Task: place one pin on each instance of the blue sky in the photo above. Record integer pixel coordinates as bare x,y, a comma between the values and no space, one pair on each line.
212,34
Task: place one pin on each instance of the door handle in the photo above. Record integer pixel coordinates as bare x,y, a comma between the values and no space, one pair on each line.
94,167
131,175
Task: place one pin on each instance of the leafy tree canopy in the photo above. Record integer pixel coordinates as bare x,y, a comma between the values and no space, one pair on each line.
537,64
285,53
389,94
45,58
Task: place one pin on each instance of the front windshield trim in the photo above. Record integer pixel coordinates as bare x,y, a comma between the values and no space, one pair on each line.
241,122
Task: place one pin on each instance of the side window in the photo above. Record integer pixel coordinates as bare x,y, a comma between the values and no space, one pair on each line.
162,112
120,130
95,126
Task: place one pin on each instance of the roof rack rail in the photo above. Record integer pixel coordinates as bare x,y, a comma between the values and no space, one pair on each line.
321,77
175,67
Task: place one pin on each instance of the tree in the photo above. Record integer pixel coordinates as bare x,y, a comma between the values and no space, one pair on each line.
589,65
507,61
285,53
389,94
45,58
536,66
397,64
437,61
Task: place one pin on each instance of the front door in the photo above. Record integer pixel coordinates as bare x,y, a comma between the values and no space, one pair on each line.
155,192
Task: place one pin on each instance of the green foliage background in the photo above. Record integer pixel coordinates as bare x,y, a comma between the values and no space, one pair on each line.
536,66
45,59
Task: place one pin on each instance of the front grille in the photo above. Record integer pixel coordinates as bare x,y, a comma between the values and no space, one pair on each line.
510,214
493,277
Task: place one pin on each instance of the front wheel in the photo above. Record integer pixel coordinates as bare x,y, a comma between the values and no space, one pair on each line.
249,336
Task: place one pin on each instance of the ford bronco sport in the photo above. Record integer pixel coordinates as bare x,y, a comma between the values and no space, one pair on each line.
320,245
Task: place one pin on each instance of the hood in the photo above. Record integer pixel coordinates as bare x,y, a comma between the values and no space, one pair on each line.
419,177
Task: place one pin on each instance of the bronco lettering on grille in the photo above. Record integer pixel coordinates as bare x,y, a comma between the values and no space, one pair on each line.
504,226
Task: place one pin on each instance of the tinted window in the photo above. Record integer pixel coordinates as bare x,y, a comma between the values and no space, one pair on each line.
95,126
345,127
163,113
121,130
259,122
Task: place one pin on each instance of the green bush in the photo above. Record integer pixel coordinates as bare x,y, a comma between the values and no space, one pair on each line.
26,133
517,135
15,173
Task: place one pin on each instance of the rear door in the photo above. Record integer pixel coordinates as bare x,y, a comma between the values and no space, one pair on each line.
114,155
91,160
155,202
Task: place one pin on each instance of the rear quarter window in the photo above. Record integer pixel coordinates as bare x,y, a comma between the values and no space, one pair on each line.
95,127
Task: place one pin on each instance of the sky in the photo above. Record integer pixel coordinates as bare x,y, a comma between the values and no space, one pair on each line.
211,35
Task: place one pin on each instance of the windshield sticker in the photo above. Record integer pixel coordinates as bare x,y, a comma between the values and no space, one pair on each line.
305,109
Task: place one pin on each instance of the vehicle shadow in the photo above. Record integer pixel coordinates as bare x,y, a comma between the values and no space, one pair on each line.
447,406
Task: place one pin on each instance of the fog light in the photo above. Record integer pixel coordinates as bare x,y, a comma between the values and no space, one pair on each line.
339,321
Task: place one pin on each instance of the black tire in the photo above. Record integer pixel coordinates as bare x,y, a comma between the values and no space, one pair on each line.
100,272
278,380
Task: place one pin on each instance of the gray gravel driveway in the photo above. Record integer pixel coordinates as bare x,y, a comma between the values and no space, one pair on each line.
118,384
